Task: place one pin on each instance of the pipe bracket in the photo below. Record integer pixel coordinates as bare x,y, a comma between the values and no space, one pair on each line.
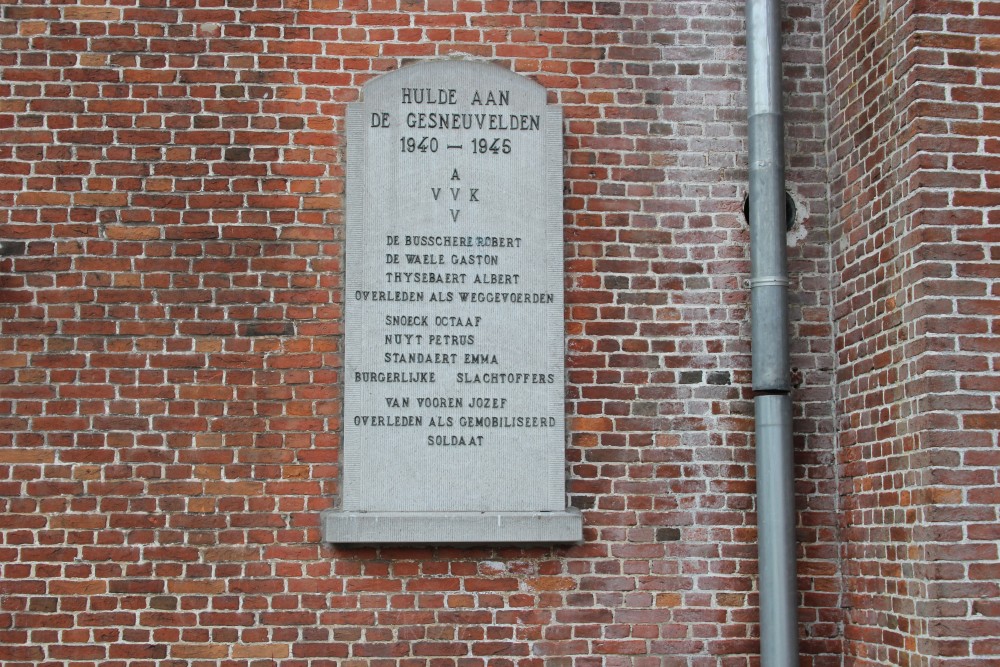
769,280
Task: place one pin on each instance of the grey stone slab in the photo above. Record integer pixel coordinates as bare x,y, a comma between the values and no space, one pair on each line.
454,334
453,527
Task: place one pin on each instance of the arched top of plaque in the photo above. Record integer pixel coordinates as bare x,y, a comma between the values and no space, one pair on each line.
436,75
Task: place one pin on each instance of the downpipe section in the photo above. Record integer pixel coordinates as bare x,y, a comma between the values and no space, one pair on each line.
769,329
768,255
779,637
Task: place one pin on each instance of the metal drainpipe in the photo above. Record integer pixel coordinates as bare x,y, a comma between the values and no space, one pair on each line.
769,311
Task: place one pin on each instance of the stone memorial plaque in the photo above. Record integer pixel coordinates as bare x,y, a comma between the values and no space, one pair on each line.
454,428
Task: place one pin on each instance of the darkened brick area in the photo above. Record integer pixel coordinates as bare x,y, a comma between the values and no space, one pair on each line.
171,181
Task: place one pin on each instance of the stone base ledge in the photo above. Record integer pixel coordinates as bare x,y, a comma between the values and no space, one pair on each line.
452,527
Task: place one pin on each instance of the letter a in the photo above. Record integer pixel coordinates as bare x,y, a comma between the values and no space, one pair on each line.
454,176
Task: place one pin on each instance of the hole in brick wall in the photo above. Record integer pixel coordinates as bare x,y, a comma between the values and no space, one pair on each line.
790,210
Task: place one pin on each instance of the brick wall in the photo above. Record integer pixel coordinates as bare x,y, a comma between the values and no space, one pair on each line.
913,99
171,179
